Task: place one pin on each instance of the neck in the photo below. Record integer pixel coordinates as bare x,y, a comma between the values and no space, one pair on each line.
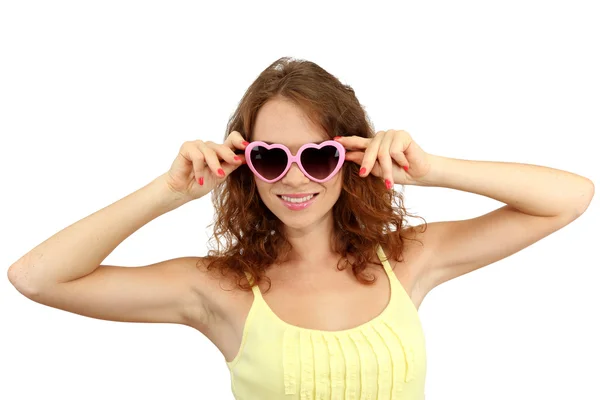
311,245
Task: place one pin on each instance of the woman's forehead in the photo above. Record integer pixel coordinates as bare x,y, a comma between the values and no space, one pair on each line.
290,136
283,122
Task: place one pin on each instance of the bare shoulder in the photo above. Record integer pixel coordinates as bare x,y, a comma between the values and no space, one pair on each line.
414,250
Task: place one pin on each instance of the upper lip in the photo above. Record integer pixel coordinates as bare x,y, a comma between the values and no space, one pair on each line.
297,195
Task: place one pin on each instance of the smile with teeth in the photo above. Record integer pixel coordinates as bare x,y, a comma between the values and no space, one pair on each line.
297,200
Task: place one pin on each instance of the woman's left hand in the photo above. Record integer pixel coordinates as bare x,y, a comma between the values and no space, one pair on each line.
391,155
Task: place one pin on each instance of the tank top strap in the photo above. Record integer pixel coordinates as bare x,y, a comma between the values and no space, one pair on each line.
399,293
384,260
395,283
255,288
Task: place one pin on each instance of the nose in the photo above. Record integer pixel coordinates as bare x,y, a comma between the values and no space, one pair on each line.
294,177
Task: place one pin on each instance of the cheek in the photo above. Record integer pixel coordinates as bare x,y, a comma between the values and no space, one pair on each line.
263,188
336,183
334,187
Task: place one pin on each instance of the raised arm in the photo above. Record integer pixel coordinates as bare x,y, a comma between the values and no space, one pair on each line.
65,272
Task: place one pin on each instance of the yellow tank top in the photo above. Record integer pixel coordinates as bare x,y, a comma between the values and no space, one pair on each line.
381,359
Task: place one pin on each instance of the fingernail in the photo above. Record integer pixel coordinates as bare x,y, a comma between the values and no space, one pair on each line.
221,172
388,184
245,143
236,158
201,180
405,168
362,171
337,138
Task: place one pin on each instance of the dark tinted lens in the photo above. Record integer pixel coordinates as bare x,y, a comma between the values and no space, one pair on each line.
320,163
269,163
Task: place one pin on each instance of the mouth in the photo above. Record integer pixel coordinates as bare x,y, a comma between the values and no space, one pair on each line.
295,198
298,203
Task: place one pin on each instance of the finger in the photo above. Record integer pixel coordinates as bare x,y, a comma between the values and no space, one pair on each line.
237,143
354,142
370,155
235,140
385,160
355,156
397,152
210,156
192,153
229,155
225,153
358,156
376,170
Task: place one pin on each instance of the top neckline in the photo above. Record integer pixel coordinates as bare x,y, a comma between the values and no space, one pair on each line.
388,272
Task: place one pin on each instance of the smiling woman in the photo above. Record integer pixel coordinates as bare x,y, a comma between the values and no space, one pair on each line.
295,104
336,320
316,290
295,210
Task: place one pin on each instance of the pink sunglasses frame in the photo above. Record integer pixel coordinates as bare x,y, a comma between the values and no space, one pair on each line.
295,159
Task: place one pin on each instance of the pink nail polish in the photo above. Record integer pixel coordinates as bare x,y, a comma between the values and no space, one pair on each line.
405,168
388,184
362,171
221,172
201,180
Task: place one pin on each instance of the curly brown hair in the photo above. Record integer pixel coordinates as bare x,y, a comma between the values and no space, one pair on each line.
364,212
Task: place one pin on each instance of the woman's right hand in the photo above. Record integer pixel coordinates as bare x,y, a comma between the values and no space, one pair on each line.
195,171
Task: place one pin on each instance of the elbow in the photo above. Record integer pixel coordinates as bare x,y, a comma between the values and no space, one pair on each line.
586,198
17,276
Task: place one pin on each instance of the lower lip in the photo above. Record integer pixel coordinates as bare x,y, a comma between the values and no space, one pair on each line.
298,206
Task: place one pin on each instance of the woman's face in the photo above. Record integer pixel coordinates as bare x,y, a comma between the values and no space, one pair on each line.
281,121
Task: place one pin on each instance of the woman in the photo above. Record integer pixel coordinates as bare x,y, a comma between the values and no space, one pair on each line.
303,189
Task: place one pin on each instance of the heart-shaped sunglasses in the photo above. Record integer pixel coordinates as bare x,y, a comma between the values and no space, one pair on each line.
319,162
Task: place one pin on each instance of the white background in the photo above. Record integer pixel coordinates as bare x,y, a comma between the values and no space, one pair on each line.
97,97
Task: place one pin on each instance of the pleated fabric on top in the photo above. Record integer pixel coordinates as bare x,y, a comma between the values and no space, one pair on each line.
382,359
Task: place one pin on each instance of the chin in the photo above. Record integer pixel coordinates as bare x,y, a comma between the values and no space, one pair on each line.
301,224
